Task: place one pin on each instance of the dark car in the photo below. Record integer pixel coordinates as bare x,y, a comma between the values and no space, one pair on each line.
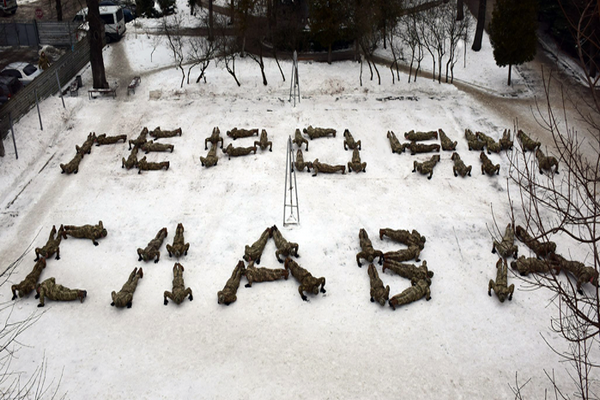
9,86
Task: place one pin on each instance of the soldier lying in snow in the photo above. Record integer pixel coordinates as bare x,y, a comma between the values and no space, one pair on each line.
349,142
254,274
505,141
103,139
140,140
298,139
132,160
72,167
487,166
579,270
211,158
500,286
49,289
264,141
124,297
51,246
403,236
416,148
420,136
214,138
314,133
525,266
300,164
541,249
378,292
473,141
408,271
459,166
179,248
395,143
284,248
412,253
150,145
308,283
367,251
158,133
418,290
229,293
236,133
254,252
545,163
490,144
427,166
326,168
526,142
447,144
28,284
356,165
152,250
92,232
238,151
179,291
86,147
506,247
144,165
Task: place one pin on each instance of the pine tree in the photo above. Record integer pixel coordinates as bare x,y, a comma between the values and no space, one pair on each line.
513,32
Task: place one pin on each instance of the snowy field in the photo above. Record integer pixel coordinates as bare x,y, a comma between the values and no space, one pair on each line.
269,344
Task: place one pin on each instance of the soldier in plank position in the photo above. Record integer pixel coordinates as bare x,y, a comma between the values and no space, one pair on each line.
28,284
367,251
378,293
152,250
179,292
308,283
179,248
254,252
500,286
52,245
229,293
418,290
284,248
49,289
254,274
92,232
125,296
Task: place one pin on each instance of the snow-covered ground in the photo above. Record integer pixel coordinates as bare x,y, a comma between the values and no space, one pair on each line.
269,344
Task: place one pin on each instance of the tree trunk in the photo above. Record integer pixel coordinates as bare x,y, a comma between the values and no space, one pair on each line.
232,7
210,20
59,11
329,54
460,12
96,44
480,26
509,71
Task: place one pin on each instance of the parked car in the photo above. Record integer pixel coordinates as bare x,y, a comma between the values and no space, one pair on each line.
9,86
113,18
23,71
8,7
129,9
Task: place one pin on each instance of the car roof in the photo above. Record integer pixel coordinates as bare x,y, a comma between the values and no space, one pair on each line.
17,65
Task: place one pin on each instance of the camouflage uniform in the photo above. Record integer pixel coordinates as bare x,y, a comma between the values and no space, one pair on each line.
487,166
367,251
378,293
140,140
214,138
403,236
505,141
491,144
500,286
103,139
284,248
412,253
427,166
179,248
308,283
73,165
236,133
447,144
408,271
28,284
125,295
264,141
420,136
152,250
300,164
545,163
228,294
525,266
91,232
418,290
395,143
52,245
579,270
326,168
158,133
526,142
349,142
238,151
211,158
298,139
254,274
132,160
541,249
254,252
156,147
86,147
356,165
314,133
55,292
144,165
506,247
415,147
179,292
459,166
473,141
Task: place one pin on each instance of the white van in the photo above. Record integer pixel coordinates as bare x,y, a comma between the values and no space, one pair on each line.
114,21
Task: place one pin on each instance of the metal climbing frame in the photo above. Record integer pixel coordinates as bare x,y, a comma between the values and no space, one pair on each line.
295,83
291,187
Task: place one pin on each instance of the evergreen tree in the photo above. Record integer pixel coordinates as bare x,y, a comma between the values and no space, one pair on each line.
513,32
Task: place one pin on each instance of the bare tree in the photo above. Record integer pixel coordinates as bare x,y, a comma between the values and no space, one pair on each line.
202,52
227,51
171,27
456,30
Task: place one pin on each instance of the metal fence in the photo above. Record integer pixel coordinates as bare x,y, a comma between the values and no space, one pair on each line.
33,34
19,34
44,86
